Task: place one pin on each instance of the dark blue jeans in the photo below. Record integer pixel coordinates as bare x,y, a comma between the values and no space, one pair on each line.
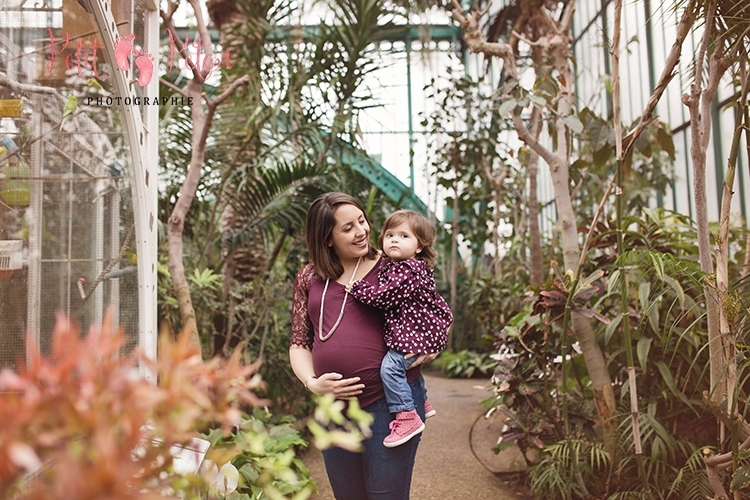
378,473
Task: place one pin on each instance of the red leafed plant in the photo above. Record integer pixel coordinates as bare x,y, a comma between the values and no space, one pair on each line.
82,424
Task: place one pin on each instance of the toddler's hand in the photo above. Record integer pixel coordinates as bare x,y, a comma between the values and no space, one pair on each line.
348,287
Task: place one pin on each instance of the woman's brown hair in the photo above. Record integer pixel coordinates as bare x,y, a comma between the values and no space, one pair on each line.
319,228
422,229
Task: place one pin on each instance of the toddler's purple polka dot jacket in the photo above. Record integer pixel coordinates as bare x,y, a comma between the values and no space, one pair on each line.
416,316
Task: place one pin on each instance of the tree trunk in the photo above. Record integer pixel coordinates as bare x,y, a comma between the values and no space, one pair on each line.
496,180
242,263
176,221
595,363
557,43
454,261
728,300
536,261
699,105
201,121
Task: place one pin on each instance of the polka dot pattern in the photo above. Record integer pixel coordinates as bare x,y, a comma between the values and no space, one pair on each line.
416,315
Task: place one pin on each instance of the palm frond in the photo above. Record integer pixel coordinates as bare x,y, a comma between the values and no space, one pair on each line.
691,482
276,199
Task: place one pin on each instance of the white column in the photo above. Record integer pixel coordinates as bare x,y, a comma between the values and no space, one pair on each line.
141,138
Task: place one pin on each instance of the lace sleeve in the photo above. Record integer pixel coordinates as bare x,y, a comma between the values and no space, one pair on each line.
302,328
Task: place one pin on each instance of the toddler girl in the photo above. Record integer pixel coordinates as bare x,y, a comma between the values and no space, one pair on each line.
416,316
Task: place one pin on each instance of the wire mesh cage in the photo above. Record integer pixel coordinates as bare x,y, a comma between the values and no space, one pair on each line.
67,220
76,232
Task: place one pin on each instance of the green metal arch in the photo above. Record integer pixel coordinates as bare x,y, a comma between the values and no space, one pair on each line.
349,154
380,177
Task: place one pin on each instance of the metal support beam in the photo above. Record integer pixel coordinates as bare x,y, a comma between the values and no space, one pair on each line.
379,176
437,33
144,160
409,117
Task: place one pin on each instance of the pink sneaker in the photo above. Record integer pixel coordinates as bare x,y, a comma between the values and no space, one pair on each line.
406,426
429,411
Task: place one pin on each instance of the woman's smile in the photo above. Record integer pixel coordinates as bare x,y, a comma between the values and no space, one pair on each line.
350,238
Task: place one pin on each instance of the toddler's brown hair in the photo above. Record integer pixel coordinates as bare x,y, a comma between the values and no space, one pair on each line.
422,229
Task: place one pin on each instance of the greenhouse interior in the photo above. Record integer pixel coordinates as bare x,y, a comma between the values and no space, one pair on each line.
583,167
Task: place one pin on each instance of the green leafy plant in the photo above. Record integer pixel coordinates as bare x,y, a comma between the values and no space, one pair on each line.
493,300
264,304
572,469
465,364
673,467
262,449
667,314
80,423
260,458
525,390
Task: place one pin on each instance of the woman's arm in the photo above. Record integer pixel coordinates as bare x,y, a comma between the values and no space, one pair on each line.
302,365
327,383
300,348
302,327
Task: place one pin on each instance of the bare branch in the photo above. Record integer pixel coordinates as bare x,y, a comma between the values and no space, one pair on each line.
592,227
713,476
526,136
169,25
485,10
244,80
474,39
173,87
718,66
22,88
567,22
703,48
686,22
542,42
171,9
205,36
716,408
717,461
550,22
615,56
2,203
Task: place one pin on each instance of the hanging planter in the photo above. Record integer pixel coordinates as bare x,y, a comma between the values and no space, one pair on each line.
11,108
16,190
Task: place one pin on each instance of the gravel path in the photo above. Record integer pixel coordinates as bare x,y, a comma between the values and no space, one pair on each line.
454,460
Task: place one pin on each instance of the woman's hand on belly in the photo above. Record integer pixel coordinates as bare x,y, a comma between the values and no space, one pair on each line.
336,384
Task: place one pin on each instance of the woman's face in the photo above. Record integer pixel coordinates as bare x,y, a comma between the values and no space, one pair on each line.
350,238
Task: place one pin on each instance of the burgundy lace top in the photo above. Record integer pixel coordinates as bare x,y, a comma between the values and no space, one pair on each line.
356,347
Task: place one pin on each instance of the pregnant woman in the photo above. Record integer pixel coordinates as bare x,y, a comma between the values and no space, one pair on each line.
337,346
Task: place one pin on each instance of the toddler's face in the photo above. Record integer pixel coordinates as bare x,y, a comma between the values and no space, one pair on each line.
399,242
